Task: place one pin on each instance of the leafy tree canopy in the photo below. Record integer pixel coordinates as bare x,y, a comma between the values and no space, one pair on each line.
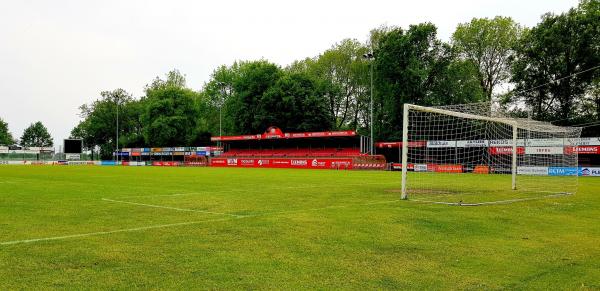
5,136
551,68
489,44
36,135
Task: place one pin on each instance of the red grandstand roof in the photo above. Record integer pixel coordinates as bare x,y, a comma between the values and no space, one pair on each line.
276,133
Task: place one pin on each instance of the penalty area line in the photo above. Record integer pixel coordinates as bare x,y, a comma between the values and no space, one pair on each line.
14,242
143,228
171,208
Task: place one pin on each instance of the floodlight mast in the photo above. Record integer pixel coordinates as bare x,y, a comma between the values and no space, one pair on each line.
371,57
117,133
221,102
405,123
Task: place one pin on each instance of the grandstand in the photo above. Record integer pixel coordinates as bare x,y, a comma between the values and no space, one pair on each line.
276,149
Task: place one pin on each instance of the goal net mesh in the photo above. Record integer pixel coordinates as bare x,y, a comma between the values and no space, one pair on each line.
468,157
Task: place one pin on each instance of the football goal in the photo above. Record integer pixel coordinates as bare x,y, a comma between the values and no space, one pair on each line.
471,154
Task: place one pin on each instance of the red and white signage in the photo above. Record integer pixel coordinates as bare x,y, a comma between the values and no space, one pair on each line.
166,164
506,150
583,150
279,134
449,168
342,163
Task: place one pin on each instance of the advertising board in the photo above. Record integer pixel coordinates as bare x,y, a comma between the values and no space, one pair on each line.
317,163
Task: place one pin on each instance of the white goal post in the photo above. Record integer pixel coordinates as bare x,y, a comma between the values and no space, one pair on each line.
458,149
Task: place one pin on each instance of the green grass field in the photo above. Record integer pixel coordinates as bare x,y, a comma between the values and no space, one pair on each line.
210,228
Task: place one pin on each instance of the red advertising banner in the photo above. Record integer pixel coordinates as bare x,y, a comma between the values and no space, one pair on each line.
568,150
166,164
506,150
449,168
286,135
481,169
195,164
583,150
282,163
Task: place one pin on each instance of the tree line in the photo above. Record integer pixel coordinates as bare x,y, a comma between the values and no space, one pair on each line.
35,135
549,72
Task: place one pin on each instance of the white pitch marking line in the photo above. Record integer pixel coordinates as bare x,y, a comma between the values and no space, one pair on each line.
112,231
14,242
492,202
172,208
244,191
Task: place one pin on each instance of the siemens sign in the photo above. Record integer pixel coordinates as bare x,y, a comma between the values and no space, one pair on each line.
563,171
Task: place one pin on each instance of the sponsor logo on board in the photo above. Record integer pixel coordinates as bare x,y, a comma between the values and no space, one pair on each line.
299,163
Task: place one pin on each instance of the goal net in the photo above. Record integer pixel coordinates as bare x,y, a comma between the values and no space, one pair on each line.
463,154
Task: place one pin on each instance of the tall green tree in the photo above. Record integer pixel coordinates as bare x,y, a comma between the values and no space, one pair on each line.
488,43
551,68
341,73
253,80
170,116
36,135
413,66
5,135
98,126
216,95
293,103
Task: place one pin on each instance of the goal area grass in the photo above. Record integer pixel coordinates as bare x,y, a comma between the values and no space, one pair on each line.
85,227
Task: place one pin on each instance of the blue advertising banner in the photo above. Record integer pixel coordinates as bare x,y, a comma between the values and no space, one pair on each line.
563,171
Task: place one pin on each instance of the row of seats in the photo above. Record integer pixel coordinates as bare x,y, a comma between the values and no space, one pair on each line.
320,152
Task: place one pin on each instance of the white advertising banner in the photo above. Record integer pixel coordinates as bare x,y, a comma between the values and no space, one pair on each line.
588,141
547,142
589,171
72,156
441,143
500,142
420,167
532,170
3,150
544,150
471,143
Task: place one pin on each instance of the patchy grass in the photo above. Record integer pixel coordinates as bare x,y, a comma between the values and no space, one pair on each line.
211,228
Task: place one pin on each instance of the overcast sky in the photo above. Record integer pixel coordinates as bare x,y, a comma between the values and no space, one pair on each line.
57,55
